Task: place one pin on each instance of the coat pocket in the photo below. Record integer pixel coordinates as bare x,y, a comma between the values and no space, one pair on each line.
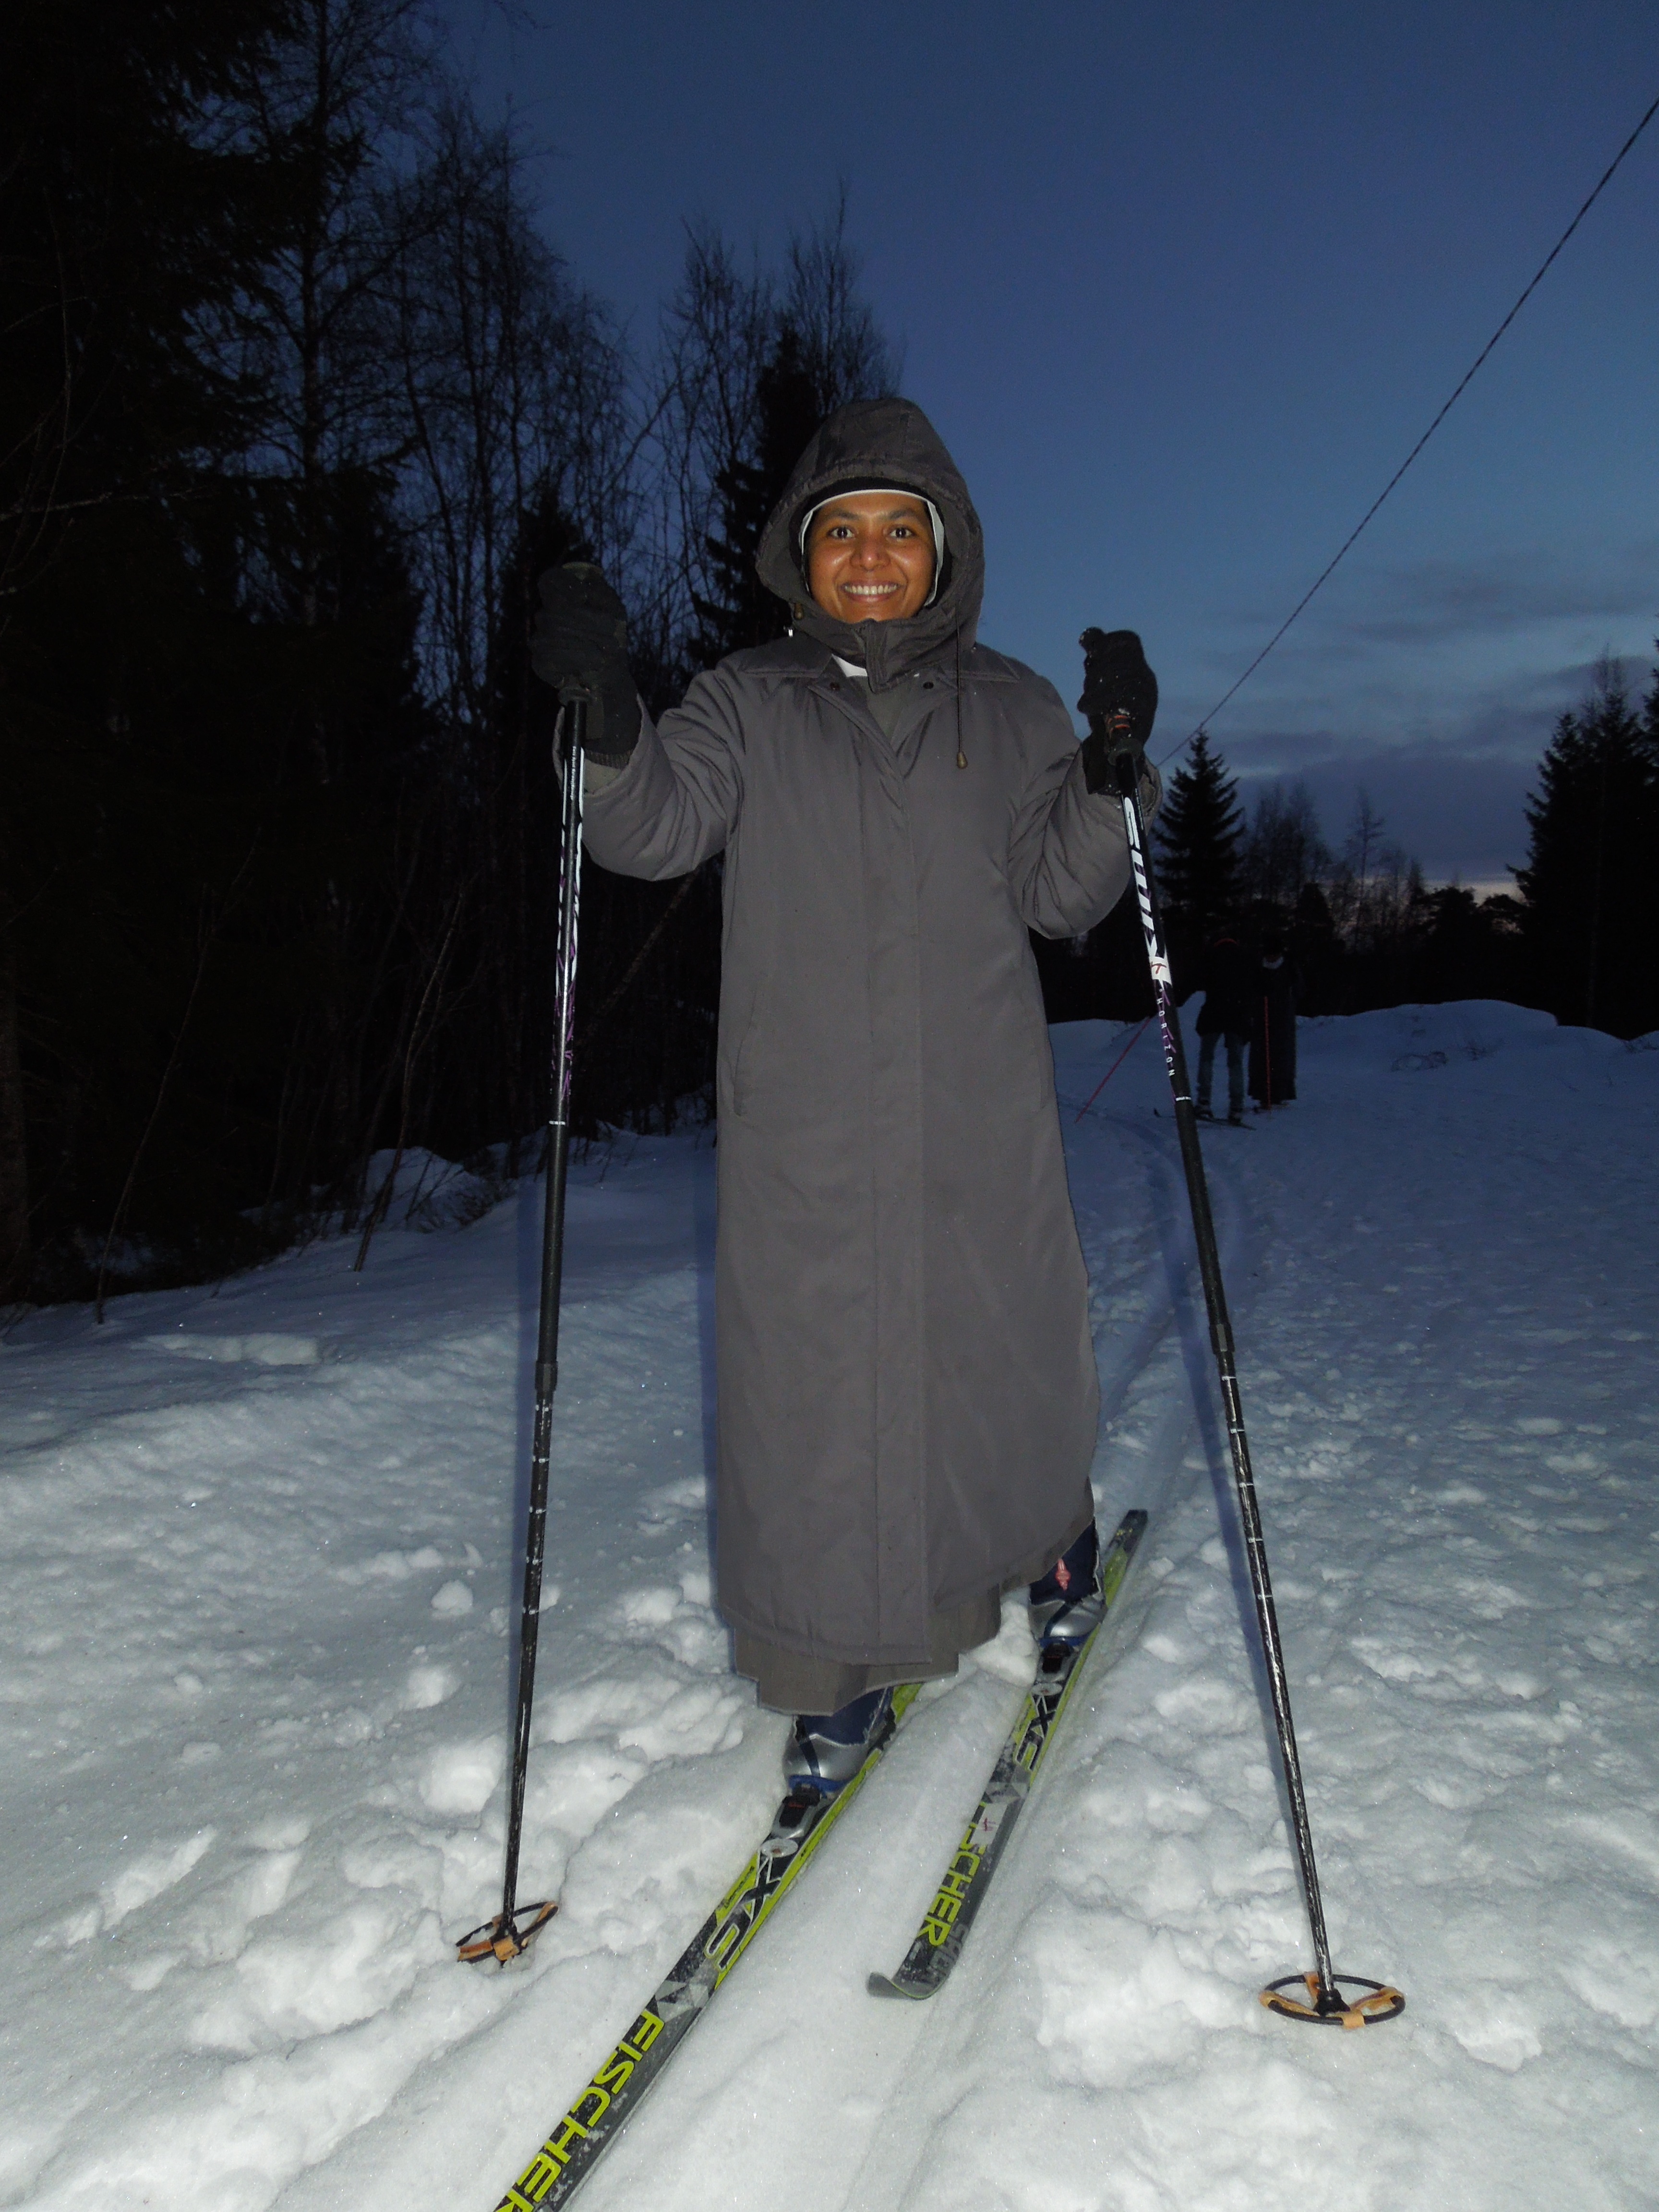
743,1066
742,1043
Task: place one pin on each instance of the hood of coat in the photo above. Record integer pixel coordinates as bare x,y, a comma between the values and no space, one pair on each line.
879,441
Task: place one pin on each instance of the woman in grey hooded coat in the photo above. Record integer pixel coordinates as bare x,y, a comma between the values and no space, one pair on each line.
907,1399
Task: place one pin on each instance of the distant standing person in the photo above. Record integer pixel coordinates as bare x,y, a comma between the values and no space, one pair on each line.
1273,1030
1227,980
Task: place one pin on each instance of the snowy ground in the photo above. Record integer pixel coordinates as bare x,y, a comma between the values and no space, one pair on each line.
258,1551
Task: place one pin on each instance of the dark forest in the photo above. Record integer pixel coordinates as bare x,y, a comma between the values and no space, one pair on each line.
297,402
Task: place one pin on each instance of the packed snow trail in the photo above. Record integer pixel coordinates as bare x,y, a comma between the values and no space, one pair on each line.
260,1563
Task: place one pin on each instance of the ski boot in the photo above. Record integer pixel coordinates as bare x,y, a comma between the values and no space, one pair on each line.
827,1749
1203,1113
1069,1603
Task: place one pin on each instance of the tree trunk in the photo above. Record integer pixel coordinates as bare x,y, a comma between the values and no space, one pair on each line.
15,1254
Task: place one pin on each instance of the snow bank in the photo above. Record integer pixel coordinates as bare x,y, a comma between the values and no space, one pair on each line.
422,1190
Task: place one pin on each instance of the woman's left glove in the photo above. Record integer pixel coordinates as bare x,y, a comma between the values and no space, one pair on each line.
1120,699
578,645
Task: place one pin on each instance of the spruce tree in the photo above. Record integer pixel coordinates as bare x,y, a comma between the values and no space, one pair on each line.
1199,830
788,408
1590,918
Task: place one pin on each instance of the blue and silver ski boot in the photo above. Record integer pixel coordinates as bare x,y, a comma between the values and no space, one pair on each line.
1069,1603
827,1749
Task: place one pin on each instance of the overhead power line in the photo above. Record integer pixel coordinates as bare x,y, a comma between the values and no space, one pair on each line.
1462,385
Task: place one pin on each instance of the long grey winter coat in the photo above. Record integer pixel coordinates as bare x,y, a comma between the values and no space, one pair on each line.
907,1398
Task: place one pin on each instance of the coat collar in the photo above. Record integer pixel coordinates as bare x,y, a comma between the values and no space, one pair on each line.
806,659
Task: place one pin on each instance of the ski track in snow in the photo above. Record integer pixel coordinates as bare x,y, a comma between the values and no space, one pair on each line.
260,1568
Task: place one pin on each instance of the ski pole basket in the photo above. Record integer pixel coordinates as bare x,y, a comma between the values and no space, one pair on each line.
1327,2006
505,1936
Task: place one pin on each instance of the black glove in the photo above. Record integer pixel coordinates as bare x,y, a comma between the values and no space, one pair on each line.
579,646
1116,683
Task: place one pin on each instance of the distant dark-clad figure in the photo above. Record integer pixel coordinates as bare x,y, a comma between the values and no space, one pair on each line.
1273,1027
1228,979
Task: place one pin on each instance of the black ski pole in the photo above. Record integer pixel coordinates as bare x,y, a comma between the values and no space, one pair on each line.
517,1925
1116,691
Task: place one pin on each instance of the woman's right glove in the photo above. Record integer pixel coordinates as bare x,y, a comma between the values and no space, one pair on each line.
1120,701
579,644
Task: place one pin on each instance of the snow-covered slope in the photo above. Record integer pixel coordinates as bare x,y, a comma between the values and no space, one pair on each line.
258,1568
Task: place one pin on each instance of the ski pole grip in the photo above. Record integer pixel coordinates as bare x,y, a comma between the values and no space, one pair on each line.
1124,756
573,730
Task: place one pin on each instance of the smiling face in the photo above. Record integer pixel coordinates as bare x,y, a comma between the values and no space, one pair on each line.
870,557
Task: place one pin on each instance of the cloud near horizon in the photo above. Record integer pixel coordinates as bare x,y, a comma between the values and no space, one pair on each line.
1463,819
1439,700
1456,803
1498,592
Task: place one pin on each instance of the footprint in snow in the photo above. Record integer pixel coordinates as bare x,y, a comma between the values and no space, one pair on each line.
138,1882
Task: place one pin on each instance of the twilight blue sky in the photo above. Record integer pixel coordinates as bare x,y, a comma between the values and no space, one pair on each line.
1181,285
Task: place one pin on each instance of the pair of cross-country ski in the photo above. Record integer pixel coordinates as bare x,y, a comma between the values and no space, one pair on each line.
583,2134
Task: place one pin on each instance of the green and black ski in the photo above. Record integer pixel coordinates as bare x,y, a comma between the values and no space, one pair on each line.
945,1925
586,2131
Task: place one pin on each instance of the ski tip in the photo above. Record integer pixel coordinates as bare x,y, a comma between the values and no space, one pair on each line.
884,1985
